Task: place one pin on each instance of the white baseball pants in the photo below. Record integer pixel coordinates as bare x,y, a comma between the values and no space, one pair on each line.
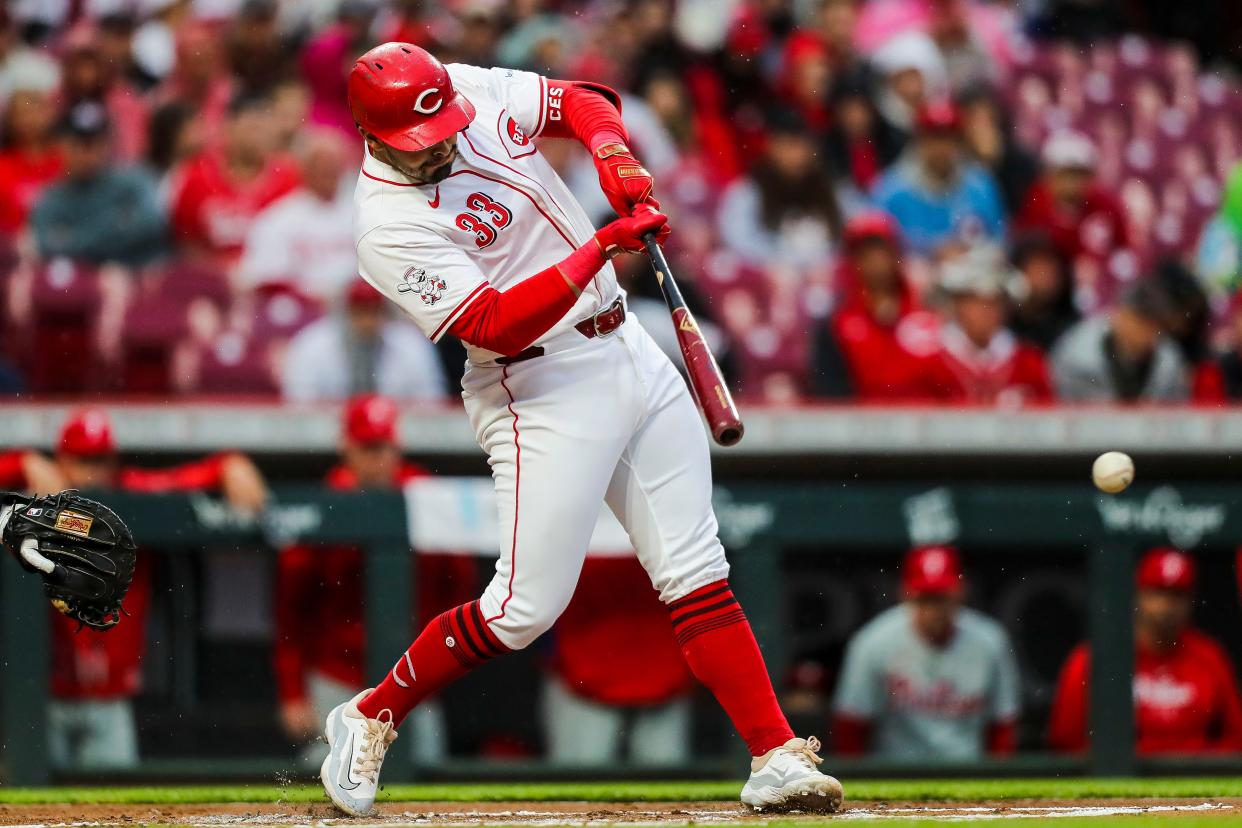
606,419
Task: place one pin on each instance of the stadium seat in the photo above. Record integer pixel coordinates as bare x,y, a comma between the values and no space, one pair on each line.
65,301
235,365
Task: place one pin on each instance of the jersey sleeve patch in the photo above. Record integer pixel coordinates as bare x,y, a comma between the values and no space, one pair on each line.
428,286
397,260
516,141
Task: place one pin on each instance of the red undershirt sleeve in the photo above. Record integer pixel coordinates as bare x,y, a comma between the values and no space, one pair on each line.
508,322
589,112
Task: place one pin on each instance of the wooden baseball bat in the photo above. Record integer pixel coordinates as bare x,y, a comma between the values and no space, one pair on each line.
706,381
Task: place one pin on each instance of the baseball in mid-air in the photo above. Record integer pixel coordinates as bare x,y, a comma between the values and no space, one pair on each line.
1112,472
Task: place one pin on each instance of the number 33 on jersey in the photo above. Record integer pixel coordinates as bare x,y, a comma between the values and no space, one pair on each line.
486,218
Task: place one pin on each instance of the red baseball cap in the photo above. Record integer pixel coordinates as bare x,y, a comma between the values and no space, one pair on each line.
1167,568
938,116
361,294
870,225
371,418
932,570
87,433
403,96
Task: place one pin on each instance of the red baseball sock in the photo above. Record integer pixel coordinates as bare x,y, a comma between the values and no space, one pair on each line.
720,648
452,645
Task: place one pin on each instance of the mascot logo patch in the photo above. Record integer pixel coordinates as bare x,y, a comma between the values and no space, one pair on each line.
512,137
422,282
73,523
516,135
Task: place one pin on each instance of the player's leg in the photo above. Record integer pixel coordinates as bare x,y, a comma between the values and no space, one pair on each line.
579,731
661,735
110,737
552,447
661,493
551,466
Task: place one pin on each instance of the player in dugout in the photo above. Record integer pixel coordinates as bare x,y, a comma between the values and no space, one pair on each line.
1185,691
320,649
928,678
96,675
619,686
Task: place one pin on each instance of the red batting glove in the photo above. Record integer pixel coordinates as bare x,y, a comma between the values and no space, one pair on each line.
623,179
626,234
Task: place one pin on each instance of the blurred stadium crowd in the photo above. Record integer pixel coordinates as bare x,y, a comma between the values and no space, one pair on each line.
963,201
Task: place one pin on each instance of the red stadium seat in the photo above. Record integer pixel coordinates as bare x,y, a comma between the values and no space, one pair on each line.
65,300
234,364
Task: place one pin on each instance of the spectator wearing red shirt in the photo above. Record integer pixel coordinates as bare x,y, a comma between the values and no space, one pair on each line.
619,686
1185,692
95,675
879,345
30,157
320,649
1083,219
982,360
219,193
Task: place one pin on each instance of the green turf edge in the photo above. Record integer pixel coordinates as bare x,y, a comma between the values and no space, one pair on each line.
940,790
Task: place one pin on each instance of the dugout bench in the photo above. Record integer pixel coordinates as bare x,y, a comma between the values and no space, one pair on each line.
757,521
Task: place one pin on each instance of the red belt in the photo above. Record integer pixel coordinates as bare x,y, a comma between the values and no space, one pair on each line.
601,324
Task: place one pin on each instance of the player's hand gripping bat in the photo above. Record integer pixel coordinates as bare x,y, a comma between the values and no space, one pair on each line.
706,381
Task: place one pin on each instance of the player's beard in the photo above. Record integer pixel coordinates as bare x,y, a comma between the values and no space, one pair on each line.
442,172
420,176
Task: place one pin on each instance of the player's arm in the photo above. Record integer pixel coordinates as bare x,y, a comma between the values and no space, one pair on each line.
30,470
443,290
511,321
231,473
589,112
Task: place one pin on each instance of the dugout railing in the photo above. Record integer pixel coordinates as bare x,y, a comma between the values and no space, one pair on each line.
758,523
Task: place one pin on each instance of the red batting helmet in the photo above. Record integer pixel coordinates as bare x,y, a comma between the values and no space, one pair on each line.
87,433
404,97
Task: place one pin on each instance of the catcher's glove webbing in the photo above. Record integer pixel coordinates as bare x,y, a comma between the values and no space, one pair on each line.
84,552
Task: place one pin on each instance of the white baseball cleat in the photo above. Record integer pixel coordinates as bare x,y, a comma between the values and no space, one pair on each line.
356,748
785,779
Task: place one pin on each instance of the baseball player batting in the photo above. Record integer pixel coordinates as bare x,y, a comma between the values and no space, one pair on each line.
462,223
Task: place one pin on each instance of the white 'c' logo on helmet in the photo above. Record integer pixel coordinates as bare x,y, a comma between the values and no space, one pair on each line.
419,106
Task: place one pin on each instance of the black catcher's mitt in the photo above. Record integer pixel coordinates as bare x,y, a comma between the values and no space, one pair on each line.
84,552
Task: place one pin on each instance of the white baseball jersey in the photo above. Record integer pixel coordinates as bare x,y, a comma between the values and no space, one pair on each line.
502,215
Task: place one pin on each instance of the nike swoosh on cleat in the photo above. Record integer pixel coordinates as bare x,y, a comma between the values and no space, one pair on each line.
346,768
